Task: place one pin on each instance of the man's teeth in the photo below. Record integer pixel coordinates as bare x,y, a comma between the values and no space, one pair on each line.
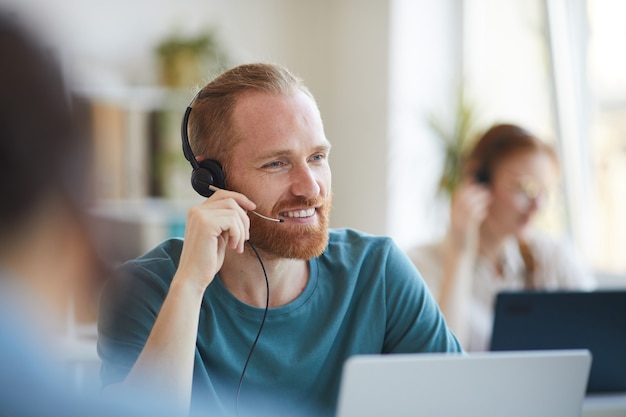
301,213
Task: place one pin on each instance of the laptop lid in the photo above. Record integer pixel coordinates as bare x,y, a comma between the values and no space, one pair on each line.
567,320
512,384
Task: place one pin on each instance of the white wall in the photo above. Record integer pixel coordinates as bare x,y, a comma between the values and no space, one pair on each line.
374,67
357,117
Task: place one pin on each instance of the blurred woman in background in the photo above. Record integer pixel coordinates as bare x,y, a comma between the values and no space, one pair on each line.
490,245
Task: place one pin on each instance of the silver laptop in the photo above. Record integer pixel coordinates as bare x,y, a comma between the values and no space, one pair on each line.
496,384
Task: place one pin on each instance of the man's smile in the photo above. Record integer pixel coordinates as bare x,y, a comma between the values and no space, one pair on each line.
299,213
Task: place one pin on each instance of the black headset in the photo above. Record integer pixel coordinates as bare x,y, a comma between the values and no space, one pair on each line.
482,176
205,173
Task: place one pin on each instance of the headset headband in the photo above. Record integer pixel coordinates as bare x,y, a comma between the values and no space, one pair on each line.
187,151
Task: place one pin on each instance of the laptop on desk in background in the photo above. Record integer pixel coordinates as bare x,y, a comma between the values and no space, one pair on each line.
568,320
503,384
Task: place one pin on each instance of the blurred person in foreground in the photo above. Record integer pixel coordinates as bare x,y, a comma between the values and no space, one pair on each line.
491,245
46,255
184,317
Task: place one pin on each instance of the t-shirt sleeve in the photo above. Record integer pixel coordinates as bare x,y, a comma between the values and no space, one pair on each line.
129,305
414,321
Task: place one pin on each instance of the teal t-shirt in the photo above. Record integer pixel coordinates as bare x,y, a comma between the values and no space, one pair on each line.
363,296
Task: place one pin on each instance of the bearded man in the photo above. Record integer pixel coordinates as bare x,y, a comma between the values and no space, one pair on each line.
185,318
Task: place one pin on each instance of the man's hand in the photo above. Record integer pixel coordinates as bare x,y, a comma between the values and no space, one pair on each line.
220,222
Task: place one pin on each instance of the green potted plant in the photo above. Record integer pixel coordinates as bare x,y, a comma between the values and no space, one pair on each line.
185,60
456,137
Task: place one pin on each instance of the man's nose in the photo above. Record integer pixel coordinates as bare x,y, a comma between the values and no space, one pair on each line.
304,183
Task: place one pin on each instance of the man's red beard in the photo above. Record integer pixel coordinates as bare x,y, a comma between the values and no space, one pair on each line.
293,241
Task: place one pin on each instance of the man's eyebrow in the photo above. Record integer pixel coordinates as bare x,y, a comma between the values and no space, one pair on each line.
286,152
322,148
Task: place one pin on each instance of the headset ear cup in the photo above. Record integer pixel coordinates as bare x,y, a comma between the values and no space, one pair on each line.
200,181
209,172
482,177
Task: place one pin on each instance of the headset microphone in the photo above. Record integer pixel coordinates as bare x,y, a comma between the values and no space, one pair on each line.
207,175
214,188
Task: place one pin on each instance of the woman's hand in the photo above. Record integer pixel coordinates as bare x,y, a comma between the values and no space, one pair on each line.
469,208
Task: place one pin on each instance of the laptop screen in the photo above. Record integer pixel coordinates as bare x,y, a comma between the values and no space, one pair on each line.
512,384
567,320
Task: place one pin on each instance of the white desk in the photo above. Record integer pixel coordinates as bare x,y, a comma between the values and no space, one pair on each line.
605,405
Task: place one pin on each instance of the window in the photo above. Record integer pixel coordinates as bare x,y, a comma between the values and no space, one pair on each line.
606,69
556,67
